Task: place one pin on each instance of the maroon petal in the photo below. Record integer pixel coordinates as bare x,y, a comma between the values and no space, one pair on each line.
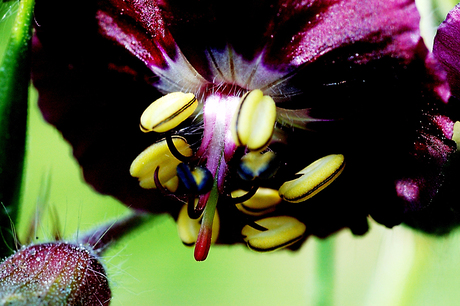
139,27
94,94
438,190
447,48
280,35
291,32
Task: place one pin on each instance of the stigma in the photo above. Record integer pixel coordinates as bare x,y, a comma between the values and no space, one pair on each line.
229,165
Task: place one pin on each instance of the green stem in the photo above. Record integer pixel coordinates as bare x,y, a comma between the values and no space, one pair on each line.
325,253
14,85
210,210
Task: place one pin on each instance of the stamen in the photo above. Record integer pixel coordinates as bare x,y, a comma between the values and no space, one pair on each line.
264,201
170,186
261,165
240,196
254,121
144,165
168,112
196,181
247,219
186,177
456,134
158,184
256,226
315,178
188,228
194,210
282,232
174,151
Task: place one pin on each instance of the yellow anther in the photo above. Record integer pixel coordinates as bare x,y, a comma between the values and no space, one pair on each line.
254,121
262,202
188,228
158,154
315,178
168,112
456,135
282,231
172,184
256,164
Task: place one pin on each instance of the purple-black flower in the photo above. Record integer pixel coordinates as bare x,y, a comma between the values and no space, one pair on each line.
272,102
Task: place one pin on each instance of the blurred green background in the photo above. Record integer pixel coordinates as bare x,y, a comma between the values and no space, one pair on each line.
152,267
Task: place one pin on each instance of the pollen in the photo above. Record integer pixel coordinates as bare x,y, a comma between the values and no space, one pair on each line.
159,155
254,121
262,202
257,164
313,179
197,180
168,112
456,135
281,232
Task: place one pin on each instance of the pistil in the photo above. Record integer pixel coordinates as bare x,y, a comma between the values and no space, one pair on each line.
217,146
203,242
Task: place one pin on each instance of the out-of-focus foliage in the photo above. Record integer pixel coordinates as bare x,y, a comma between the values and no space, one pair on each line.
14,84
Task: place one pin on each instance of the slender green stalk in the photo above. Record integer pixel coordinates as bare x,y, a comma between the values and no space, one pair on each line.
14,85
325,272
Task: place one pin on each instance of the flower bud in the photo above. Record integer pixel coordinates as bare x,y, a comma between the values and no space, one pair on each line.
55,273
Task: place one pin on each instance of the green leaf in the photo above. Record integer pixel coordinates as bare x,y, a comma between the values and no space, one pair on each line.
14,86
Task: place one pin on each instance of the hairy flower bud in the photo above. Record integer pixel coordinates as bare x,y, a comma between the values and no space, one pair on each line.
55,273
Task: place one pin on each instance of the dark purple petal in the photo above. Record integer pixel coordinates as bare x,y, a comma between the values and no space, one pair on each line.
291,32
93,93
441,187
139,27
275,35
447,48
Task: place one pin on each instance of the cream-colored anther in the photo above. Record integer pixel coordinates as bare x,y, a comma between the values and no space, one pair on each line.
315,178
257,164
168,112
172,184
282,231
262,202
188,228
254,121
158,154
456,135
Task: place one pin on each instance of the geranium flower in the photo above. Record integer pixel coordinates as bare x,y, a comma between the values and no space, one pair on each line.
245,96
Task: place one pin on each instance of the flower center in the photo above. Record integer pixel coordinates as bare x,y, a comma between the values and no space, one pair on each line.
234,127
